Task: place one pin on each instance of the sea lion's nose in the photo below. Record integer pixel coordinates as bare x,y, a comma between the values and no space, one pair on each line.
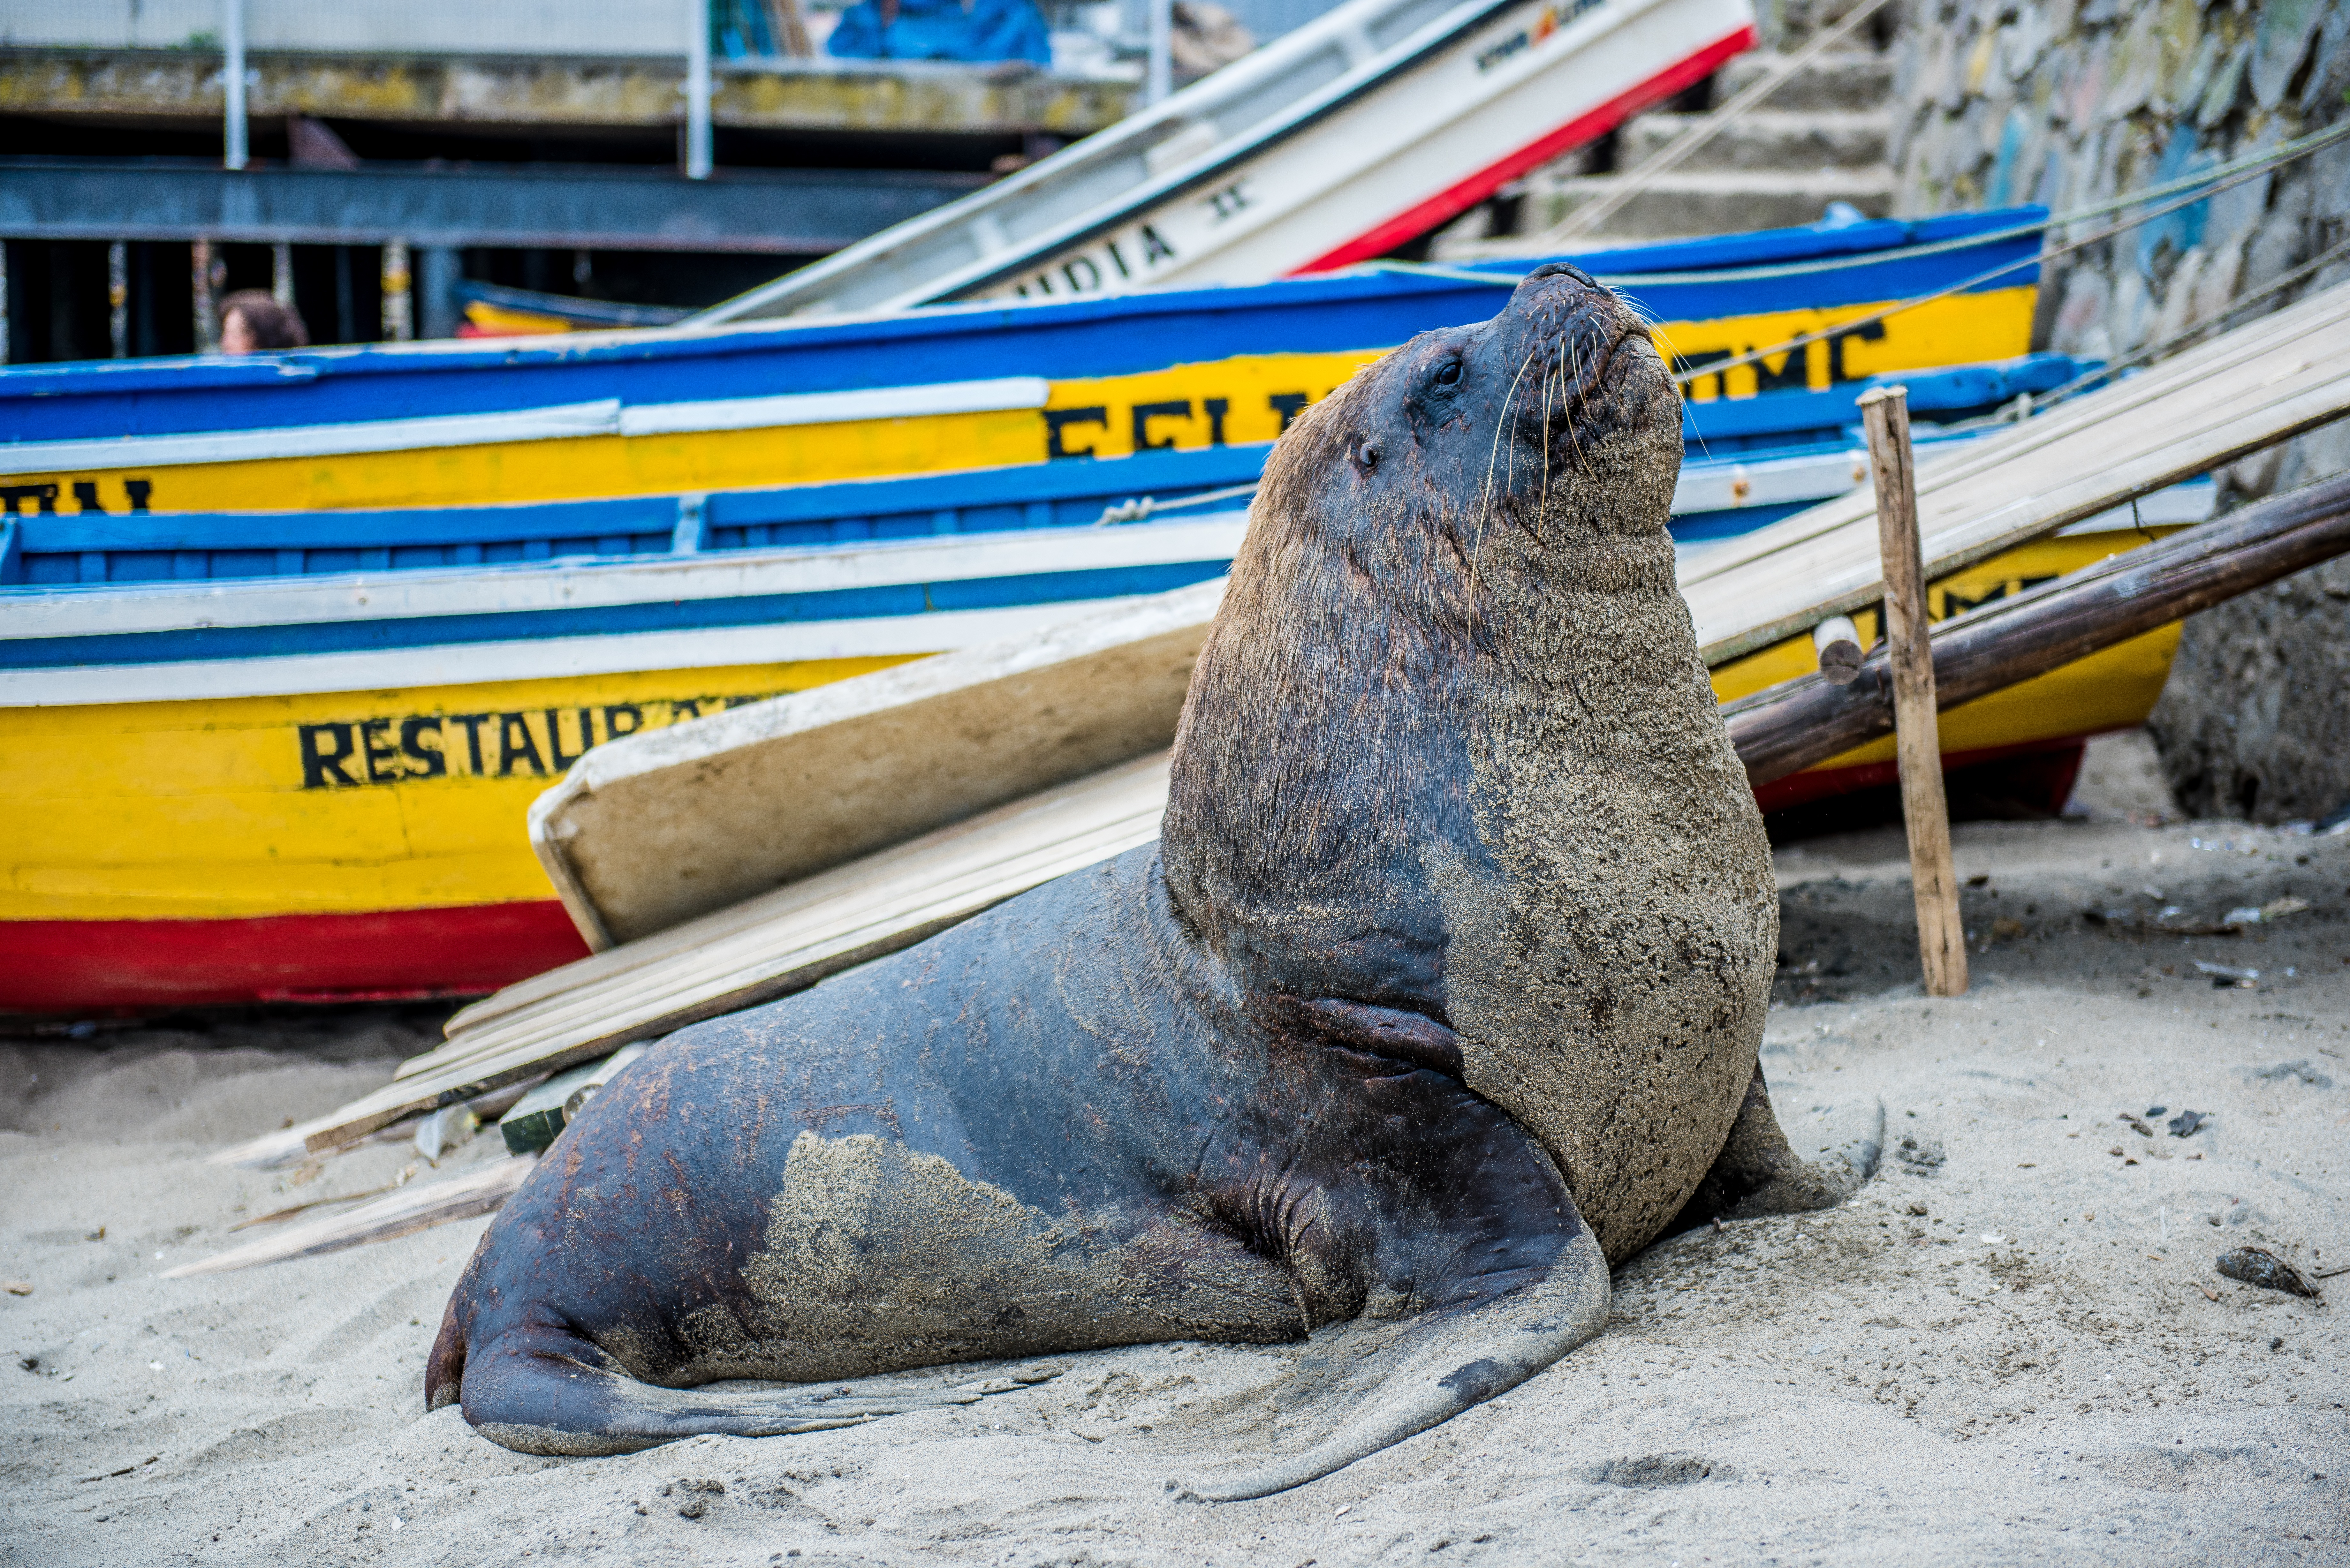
1563,269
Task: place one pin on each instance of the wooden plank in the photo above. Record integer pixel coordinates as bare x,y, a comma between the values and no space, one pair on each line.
657,829
763,963
783,942
770,962
2243,391
413,1208
288,1145
759,913
1942,939
1805,721
951,865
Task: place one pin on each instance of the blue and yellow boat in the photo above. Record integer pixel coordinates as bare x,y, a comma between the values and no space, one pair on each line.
287,645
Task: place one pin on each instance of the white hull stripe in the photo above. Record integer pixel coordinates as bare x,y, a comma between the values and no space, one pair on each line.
561,421
537,659
113,609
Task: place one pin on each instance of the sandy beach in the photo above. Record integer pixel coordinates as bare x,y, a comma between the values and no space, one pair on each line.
2013,1346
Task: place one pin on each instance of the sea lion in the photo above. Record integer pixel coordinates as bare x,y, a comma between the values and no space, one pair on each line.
1442,989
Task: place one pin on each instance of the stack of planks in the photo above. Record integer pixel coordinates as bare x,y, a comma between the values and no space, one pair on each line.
772,945
1116,681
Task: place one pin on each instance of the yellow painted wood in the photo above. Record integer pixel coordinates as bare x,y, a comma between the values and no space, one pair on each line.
1171,406
1963,329
497,321
584,467
194,809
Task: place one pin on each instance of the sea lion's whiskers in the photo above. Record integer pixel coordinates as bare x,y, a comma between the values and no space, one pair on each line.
1566,348
1542,505
1671,357
1640,308
1569,394
1484,506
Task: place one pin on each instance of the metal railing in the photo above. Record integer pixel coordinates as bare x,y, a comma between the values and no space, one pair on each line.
534,28
236,29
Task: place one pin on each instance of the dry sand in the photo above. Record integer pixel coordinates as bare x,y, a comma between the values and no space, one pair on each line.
2013,1346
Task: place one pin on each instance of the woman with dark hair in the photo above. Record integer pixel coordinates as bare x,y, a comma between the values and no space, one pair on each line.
252,322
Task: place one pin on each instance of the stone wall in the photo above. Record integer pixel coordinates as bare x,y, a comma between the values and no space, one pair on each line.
2253,723
2070,105
2071,102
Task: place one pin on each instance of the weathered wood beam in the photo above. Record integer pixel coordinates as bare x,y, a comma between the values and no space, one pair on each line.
1793,726
1941,940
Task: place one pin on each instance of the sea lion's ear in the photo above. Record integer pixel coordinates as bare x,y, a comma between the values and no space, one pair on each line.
1366,453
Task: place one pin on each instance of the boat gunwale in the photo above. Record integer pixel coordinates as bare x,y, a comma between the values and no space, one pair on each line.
620,347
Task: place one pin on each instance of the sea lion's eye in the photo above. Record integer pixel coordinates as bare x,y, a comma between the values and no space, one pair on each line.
1448,374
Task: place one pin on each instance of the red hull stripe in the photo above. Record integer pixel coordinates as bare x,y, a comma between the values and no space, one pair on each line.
1820,783
1449,204
81,966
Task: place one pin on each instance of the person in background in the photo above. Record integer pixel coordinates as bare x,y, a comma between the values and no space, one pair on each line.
252,322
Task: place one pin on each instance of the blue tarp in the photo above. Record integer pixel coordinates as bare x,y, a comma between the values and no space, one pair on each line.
941,30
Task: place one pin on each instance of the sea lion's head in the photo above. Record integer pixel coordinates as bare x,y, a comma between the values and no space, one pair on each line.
1555,422
1450,748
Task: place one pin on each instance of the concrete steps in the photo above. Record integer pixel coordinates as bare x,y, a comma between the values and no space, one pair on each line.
1858,79
1772,138
1821,137
1721,202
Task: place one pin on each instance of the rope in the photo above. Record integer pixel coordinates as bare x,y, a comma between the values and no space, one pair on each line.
2217,178
1149,506
1671,155
2179,339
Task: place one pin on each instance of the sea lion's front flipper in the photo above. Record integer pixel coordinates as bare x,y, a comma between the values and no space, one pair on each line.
1437,1366
1758,1172
556,1392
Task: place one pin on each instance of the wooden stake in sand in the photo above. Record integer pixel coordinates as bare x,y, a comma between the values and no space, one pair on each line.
1916,730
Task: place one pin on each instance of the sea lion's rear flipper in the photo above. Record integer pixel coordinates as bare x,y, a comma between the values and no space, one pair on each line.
549,1391
1758,1172
1384,1385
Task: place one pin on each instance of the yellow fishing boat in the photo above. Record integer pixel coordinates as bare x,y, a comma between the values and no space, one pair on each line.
291,643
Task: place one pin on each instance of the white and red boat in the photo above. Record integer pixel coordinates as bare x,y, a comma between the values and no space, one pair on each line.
1360,131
